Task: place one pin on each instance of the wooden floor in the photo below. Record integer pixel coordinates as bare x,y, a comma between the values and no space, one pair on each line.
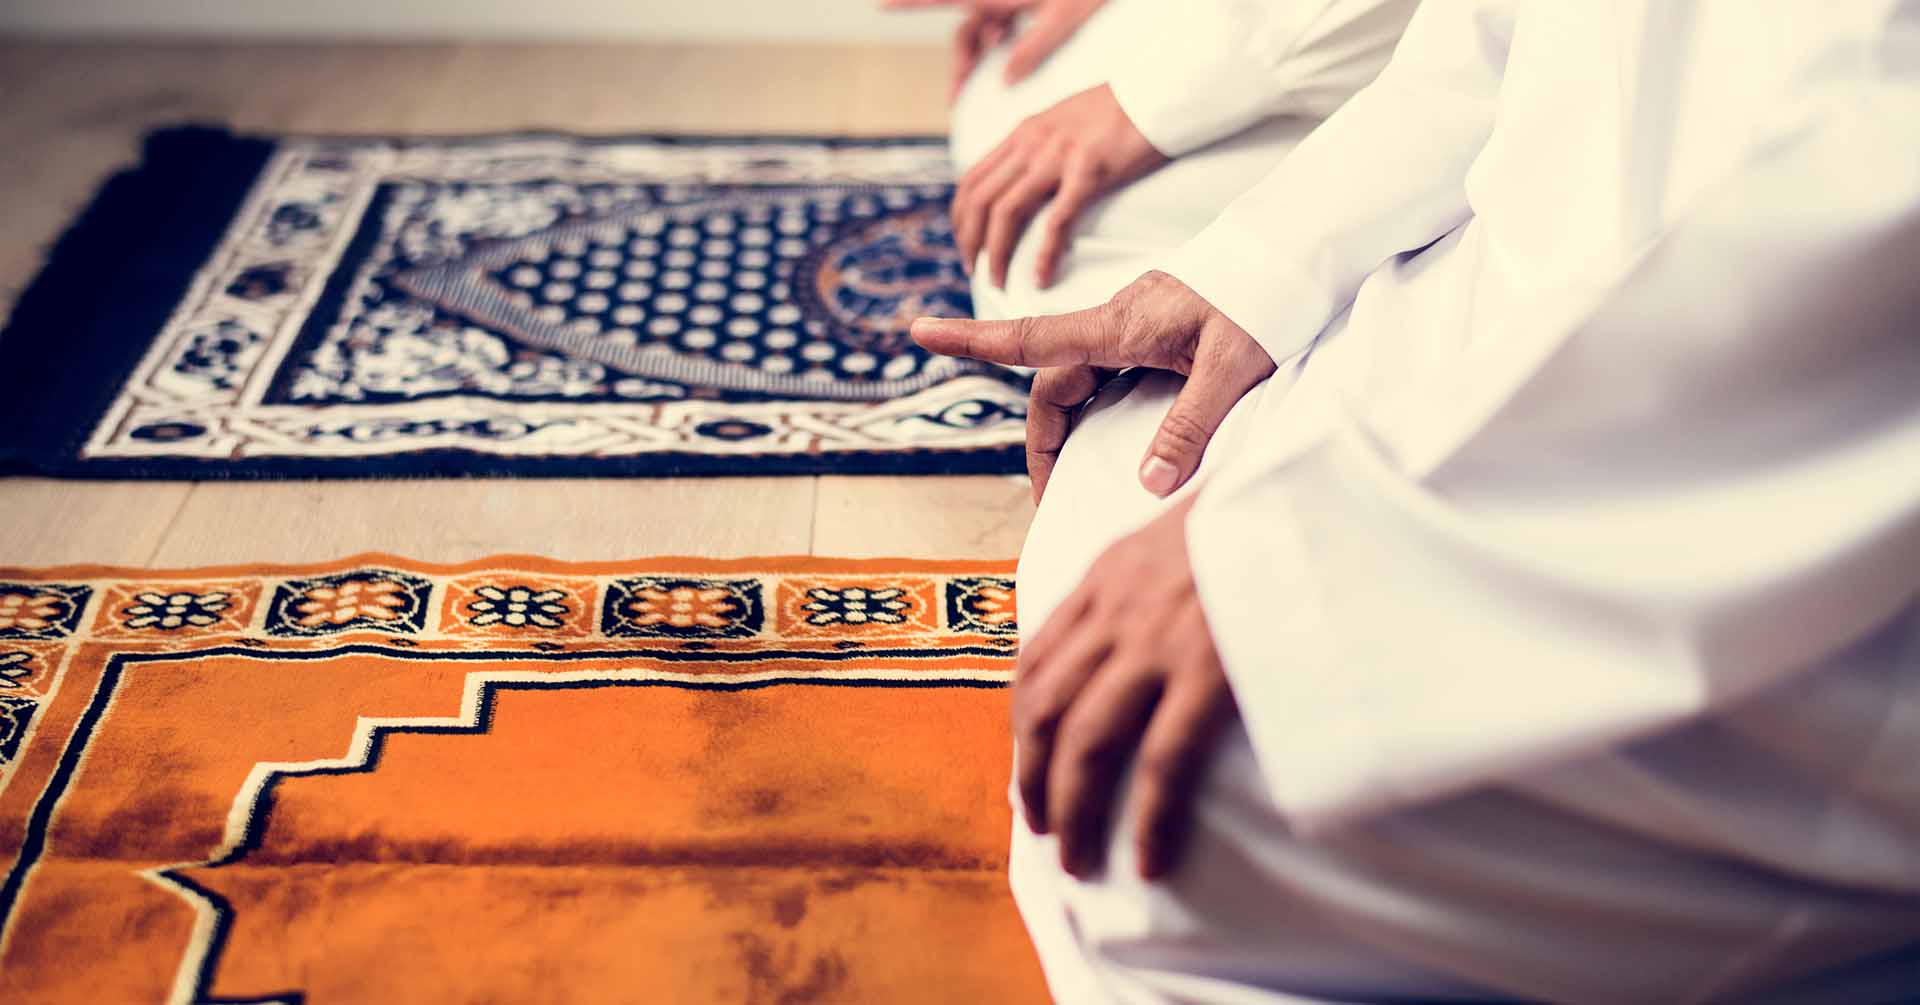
72,114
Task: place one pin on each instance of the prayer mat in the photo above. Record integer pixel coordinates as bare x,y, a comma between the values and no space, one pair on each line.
513,780
240,307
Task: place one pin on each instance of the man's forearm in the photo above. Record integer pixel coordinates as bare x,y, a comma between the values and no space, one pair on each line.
1213,69
1385,174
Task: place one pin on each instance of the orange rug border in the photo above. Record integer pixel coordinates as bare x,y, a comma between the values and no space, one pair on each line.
33,789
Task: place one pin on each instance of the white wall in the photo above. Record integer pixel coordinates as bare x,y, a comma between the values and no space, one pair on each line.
728,20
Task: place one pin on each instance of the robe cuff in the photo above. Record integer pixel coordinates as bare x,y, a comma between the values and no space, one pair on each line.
1279,307
1184,96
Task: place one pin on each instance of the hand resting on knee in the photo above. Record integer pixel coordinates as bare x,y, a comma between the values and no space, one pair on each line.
1123,673
1063,159
1156,321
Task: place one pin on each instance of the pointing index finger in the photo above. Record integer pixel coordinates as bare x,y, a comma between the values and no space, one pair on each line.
1057,340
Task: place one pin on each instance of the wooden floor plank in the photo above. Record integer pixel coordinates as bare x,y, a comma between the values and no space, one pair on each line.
47,522
926,517
456,520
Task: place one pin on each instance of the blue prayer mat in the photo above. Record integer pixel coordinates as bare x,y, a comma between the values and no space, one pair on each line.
535,305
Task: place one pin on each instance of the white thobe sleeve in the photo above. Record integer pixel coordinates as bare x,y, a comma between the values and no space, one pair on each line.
1698,481
1383,175
1216,67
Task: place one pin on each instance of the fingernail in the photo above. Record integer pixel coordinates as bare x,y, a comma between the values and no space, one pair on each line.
1159,475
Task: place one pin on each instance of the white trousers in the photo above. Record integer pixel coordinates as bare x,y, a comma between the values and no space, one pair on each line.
1506,892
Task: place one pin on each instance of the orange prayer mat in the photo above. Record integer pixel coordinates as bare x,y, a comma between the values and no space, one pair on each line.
514,780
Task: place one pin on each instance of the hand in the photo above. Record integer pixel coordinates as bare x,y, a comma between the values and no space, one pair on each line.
989,21
1156,321
1072,153
1125,669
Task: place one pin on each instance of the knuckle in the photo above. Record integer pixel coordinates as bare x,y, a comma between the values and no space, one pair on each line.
1159,764
1099,753
1091,745
1035,722
1118,315
1026,334
1182,431
1047,391
1059,220
1152,281
1136,335
1084,756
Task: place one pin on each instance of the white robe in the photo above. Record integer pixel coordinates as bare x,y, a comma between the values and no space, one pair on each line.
1567,585
1225,87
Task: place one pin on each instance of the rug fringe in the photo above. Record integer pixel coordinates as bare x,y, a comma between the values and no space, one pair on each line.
103,291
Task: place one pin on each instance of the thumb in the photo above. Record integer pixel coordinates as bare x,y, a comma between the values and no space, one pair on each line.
1196,414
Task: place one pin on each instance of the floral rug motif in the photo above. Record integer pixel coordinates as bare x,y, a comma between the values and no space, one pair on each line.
537,305
676,780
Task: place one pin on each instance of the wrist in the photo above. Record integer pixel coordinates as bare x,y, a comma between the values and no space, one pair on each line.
1129,149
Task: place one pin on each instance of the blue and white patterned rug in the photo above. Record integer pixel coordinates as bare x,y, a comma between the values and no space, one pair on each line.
515,305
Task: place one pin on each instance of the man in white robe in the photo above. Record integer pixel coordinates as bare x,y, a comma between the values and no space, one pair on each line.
1094,136
1502,582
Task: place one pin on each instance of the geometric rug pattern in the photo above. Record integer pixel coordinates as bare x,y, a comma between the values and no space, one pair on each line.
675,780
506,305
